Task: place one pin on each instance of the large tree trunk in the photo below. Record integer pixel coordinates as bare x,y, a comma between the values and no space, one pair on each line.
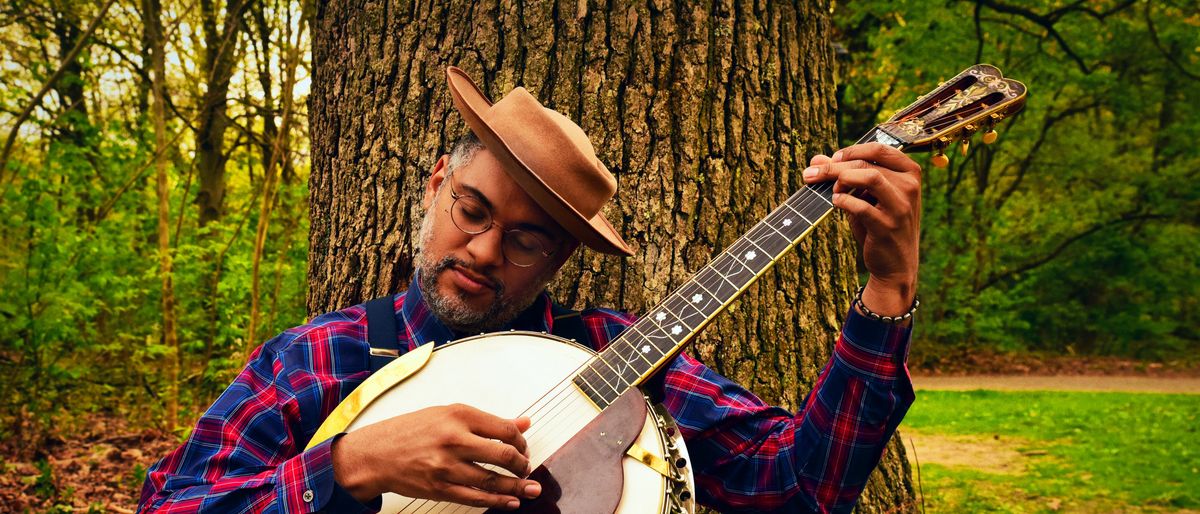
706,114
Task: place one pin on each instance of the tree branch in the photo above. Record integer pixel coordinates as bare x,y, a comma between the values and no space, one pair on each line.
1048,20
1027,162
1062,246
37,98
1158,44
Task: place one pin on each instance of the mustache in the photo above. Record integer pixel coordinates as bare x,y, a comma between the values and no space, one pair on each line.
450,261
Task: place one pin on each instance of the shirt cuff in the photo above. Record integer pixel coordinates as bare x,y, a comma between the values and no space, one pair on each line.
306,484
872,348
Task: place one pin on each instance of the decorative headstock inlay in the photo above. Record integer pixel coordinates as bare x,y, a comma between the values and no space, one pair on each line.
975,99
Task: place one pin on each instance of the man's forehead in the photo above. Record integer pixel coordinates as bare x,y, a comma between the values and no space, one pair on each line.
484,176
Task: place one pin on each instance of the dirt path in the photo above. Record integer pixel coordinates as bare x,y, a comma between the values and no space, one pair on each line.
1179,385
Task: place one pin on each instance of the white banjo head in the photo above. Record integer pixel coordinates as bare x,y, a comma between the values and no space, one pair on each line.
508,375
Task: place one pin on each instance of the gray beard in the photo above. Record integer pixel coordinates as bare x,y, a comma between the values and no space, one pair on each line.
452,310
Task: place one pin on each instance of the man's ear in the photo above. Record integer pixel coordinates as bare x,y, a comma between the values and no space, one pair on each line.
435,180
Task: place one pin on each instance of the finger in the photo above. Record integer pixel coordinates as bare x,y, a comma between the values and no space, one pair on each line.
871,217
494,427
818,160
878,153
523,423
830,170
488,451
487,480
873,183
477,498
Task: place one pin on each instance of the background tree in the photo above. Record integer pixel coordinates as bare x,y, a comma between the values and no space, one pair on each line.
705,114
1075,233
85,300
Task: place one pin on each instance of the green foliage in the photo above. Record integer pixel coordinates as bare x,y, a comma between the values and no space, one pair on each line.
1102,451
137,476
1076,232
81,316
44,485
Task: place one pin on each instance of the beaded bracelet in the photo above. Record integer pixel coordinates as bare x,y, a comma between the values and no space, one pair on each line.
893,320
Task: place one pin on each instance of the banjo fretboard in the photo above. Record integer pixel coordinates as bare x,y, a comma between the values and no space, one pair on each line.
649,343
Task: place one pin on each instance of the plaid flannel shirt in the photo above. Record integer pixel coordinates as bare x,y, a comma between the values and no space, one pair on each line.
246,453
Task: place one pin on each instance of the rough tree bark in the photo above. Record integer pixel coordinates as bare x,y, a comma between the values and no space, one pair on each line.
705,113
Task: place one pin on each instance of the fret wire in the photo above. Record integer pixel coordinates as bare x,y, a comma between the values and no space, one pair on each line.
618,375
804,199
678,296
766,236
589,384
626,365
821,196
759,247
773,218
708,302
733,256
781,234
820,190
637,349
687,328
688,292
814,205
654,343
798,213
634,347
597,374
737,252
669,332
701,285
722,275
711,268
666,310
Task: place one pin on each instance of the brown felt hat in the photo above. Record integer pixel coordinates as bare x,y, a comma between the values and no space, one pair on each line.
546,154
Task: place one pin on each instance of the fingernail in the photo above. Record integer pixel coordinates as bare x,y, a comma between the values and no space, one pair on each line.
810,173
837,156
533,490
836,196
513,504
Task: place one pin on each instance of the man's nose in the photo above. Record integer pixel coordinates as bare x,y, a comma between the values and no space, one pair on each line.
487,247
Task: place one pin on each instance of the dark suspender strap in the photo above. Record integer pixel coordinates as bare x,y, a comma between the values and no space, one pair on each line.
568,324
381,331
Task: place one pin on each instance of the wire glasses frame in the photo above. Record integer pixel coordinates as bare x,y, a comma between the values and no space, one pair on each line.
520,247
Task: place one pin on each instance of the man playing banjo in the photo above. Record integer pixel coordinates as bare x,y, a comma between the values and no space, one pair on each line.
505,209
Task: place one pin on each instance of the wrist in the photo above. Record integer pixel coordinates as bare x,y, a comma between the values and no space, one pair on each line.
889,298
349,472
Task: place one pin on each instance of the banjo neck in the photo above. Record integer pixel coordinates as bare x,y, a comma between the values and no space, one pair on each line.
972,101
651,342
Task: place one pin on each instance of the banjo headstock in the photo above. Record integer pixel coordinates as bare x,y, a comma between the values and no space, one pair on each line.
975,100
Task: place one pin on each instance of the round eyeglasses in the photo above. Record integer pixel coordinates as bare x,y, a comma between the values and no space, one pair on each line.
520,247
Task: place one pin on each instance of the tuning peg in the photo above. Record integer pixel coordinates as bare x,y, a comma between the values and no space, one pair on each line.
965,146
940,160
990,136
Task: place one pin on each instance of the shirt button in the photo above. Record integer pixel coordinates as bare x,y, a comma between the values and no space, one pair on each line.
308,496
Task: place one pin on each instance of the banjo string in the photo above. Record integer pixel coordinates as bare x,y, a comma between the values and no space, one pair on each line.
554,400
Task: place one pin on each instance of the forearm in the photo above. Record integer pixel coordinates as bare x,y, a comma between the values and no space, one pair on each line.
860,398
751,457
303,483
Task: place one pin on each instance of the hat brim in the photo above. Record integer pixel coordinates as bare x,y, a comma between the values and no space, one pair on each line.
595,232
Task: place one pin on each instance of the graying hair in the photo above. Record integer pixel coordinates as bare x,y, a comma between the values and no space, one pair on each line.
463,151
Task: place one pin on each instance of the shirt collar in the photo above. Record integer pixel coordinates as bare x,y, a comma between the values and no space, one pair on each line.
422,326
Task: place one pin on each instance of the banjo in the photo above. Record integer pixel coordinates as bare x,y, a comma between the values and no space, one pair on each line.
597,445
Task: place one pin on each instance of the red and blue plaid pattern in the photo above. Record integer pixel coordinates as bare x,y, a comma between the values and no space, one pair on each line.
246,453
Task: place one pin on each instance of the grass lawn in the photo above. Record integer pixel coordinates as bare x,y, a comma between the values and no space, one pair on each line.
989,451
